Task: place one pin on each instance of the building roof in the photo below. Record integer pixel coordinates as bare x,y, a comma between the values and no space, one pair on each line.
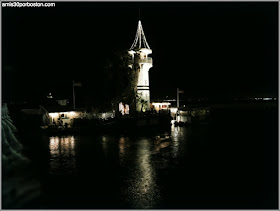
140,39
58,108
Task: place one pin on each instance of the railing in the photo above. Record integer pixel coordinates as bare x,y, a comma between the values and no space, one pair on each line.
148,60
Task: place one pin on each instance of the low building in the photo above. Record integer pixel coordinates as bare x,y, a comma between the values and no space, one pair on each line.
158,106
63,115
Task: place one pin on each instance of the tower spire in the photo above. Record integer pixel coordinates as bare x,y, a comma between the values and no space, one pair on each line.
140,39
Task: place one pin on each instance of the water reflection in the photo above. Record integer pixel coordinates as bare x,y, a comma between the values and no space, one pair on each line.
145,159
180,137
104,142
142,191
175,131
139,164
62,155
144,162
122,147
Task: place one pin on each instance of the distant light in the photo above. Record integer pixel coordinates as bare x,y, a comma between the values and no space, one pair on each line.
72,112
173,110
56,114
50,95
157,104
266,98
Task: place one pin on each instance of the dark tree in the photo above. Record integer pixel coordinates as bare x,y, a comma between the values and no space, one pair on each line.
119,83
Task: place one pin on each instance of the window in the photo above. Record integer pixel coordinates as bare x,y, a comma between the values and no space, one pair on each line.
63,116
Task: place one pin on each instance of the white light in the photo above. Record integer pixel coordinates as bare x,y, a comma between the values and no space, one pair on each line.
140,36
131,52
146,51
161,103
173,110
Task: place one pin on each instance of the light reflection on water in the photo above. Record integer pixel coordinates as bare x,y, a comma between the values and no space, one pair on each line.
142,190
141,161
104,142
62,155
177,134
147,157
122,147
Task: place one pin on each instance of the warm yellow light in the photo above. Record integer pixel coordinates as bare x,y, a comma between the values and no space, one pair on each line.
53,115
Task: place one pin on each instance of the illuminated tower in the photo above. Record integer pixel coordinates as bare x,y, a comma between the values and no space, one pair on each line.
140,61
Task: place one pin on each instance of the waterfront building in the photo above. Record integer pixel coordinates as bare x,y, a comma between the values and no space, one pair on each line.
161,106
140,62
65,115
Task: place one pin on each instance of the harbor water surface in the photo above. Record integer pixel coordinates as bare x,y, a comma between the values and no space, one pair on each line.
228,161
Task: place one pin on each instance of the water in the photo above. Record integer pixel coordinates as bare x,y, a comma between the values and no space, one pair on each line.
229,161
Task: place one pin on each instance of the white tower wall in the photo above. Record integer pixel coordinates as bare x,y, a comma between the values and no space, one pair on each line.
143,90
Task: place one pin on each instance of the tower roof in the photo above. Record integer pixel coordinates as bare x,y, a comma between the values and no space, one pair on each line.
140,39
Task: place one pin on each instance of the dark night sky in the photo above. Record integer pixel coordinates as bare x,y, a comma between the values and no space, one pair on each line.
208,49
